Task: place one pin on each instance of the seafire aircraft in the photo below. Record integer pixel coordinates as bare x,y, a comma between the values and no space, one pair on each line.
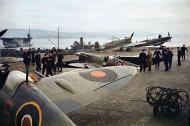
155,42
118,43
89,60
24,102
14,42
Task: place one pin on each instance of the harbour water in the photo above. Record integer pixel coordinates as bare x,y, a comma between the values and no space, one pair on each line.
67,42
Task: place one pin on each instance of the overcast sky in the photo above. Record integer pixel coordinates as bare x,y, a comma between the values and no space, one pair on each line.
97,15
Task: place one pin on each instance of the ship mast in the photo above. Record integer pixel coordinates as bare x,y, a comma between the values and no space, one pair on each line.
58,38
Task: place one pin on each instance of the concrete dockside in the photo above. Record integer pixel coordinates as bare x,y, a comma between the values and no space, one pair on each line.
128,107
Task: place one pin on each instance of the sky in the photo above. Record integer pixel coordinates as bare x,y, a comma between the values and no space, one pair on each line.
97,15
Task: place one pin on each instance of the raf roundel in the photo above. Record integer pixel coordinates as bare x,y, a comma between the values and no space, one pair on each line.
29,114
118,63
26,120
99,75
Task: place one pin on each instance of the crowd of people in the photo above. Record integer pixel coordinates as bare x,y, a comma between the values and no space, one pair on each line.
165,55
52,60
49,63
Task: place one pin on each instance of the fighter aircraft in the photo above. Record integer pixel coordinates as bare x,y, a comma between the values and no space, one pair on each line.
24,102
155,42
118,43
89,60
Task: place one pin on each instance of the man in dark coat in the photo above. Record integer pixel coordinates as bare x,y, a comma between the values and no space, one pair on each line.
53,58
170,57
165,58
38,61
24,55
33,55
178,56
183,49
142,60
49,66
59,60
44,63
157,58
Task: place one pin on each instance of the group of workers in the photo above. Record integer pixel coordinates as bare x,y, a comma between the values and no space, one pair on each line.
166,55
45,64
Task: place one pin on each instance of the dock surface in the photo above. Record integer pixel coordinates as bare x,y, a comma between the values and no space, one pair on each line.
128,107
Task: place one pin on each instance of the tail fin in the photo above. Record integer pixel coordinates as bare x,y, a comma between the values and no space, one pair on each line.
3,32
132,35
168,34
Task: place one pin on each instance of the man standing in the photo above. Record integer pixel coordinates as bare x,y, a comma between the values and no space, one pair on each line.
33,55
142,60
170,57
183,49
44,63
38,61
165,58
60,60
49,66
149,60
157,58
179,56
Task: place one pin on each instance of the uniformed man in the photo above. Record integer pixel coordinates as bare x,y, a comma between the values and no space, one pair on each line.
49,66
170,57
165,58
33,55
142,60
178,56
60,60
157,58
53,58
44,63
38,61
183,49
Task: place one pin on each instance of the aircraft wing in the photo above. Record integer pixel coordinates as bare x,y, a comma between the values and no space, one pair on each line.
75,89
128,45
82,65
10,59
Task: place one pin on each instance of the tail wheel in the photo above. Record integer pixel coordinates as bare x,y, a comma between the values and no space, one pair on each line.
29,114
